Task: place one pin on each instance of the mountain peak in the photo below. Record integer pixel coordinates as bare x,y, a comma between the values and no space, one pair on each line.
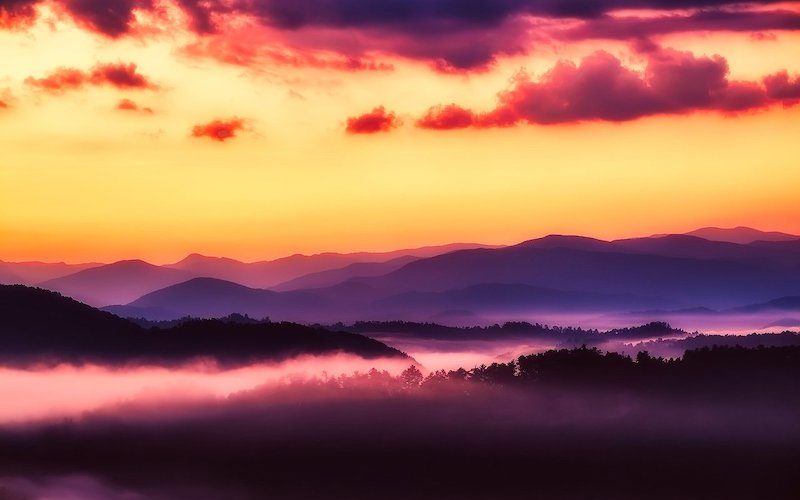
740,234
566,241
198,258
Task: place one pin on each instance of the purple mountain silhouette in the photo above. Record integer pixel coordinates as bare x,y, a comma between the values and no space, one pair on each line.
117,283
741,234
266,274
331,277
211,297
349,301
684,269
28,273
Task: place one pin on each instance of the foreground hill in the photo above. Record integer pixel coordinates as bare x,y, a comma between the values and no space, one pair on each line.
41,326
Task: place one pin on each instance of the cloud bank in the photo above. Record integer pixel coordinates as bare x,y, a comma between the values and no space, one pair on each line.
601,88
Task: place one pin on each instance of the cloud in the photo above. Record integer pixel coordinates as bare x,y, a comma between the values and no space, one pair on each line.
60,80
457,36
219,130
453,14
781,86
109,17
253,47
450,116
128,105
377,120
601,88
451,36
118,75
16,14
633,27
201,14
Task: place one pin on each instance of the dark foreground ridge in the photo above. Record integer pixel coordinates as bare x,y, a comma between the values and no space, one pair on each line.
38,326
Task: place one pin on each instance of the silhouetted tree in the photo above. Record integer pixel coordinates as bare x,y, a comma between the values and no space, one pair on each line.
411,377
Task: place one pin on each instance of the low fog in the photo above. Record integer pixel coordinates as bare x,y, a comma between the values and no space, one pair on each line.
260,433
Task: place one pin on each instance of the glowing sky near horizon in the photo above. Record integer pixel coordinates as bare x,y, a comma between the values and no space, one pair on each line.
255,129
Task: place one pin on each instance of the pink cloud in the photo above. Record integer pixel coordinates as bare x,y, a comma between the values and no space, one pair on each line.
60,80
128,105
450,36
447,117
219,130
601,88
118,75
780,86
377,120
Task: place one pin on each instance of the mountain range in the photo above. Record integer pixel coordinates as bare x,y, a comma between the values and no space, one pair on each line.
556,273
124,281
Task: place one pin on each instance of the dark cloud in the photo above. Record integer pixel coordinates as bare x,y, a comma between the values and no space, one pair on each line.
17,13
201,13
781,86
451,35
219,130
377,120
601,88
632,27
113,18
444,14
118,75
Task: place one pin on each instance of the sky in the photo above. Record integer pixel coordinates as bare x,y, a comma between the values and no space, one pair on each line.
260,128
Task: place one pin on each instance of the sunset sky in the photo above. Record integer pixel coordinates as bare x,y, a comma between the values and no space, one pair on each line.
259,128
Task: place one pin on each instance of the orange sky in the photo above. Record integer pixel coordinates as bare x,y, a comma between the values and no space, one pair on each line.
83,181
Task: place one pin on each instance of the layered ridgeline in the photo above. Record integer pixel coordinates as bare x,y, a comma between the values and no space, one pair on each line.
726,271
123,281
555,274
39,326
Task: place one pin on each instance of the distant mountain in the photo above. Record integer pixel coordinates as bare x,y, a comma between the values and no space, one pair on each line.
553,273
266,274
334,276
555,241
213,298
28,273
117,283
617,268
694,247
784,323
741,234
780,304
509,299
7,277
41,326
